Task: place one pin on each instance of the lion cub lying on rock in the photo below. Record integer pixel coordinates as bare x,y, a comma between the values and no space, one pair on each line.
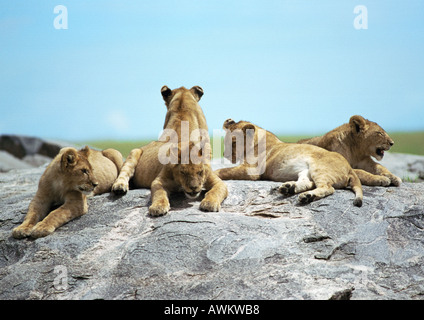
358,141
309,170
68,179
145,169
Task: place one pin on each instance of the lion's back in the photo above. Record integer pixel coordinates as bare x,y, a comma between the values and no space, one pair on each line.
105,168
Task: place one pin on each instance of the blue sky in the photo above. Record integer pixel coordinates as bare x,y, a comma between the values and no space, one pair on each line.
292,67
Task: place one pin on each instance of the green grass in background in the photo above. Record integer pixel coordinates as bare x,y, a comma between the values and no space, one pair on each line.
408,142
405,142
122,146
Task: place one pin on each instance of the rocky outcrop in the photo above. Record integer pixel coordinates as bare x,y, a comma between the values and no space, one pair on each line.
407,166
21,152
259,246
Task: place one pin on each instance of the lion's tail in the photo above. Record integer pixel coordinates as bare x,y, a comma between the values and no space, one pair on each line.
356,186
115,156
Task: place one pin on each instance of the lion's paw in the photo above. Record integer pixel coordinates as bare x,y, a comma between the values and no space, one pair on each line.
159,209
396,181
306,197
42,230
210,206
385,181
120,188
22,232
288,188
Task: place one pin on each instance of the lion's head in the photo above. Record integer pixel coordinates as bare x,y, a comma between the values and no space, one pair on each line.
372,139
171,96
77,170
191,177
192,168
182,105
242,140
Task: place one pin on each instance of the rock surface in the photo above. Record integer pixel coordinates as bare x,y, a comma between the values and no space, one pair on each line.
407,166
20,152
259,246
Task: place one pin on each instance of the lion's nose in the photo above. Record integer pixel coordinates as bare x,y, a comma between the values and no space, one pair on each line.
391,143
95,184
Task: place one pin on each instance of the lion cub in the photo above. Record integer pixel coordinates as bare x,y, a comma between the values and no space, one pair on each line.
358,141
66,182
145,168
311,171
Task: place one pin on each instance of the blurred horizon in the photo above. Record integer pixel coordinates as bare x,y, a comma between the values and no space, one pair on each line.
292,67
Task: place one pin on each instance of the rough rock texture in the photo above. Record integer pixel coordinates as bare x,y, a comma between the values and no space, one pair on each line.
20,152
21,146
259,246
407,166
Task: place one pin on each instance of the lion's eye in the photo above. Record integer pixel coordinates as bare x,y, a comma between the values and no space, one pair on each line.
85,171
200,172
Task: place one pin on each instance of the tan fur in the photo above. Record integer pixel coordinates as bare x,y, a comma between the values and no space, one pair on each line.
66,182
182,105
145,170
358,141
311,171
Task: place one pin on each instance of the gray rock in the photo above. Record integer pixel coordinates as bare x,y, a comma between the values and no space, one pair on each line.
18,152
259,246
9,162
21,146
409,167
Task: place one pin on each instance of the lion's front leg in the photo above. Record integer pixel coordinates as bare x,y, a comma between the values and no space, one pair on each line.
381,174
369,179
121,184
75,205
217,193
160,202
37,210
383,171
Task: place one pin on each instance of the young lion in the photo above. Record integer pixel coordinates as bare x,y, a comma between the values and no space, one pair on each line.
68,179
145,169
358,141
300,167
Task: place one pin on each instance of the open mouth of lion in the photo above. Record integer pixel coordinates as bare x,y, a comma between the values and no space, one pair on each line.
380,151
192,195
85,191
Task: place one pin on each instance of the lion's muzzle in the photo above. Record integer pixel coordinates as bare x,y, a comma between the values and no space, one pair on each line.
192,195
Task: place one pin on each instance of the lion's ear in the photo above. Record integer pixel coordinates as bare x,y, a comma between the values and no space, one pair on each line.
69,159
166,93
197,92
85,151
357,123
